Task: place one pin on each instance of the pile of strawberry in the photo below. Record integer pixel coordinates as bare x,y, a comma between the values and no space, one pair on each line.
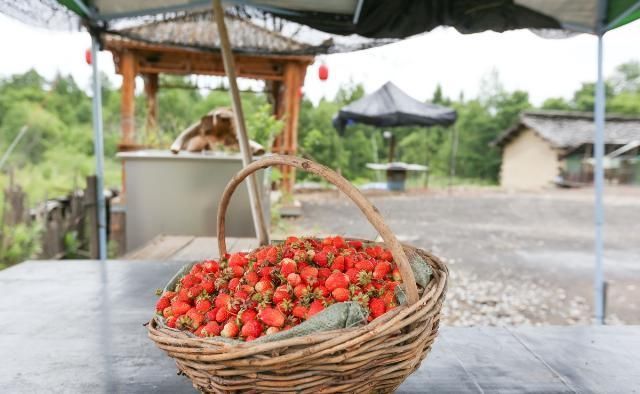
273,288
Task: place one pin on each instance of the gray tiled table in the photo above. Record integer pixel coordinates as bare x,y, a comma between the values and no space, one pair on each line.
76,326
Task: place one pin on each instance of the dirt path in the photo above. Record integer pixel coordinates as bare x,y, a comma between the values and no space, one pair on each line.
516,258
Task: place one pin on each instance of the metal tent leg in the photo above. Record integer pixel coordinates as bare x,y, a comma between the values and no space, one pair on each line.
98,147
598,180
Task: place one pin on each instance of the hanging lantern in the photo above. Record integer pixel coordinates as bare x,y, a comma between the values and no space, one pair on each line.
87,56
323,72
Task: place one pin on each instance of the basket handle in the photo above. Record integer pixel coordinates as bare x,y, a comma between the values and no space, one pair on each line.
370,211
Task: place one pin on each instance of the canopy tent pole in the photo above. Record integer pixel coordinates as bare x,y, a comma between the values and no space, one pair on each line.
243,139
454,152
98,147
598,180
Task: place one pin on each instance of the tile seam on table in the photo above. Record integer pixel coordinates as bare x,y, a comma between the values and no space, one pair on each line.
169,256
539,358
466,371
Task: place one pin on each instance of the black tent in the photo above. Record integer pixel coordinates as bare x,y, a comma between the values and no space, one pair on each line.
389,107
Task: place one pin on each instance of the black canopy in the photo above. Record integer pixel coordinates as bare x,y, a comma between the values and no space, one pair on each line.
389,107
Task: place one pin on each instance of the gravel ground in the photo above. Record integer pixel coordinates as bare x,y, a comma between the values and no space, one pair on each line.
515,258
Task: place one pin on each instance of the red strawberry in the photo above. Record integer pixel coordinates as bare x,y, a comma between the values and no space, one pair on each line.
354,275
288,266
196,317
251,278
222,315
309,275
237,260
339,242
321,291
162,303
377,307
340,294
300,291
323,274
365,265
294,279
211,315
167,312
237,271
188,280
337,280
281,293
183,295
386,255
230,330
195,291
203,306
396,275
265,272
299,311
211,266
284,306
321,259
338,264
211,329
271,317
252,328
180,308
222,300
183,323
381,270
315,307
263,285
247,315
171,322
208,286
357,245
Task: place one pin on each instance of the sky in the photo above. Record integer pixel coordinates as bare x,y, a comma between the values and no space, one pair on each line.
543,67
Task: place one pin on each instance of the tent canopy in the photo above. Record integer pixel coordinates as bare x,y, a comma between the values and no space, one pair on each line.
401,18
389,107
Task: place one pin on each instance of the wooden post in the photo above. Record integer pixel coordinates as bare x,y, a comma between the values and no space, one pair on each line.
293,81
243,139
91,214
151,90
127,108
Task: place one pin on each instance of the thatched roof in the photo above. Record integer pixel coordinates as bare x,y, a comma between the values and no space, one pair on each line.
198,31
567,130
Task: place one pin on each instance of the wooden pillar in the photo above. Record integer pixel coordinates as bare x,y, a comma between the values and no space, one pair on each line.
293,80
151,90
127,108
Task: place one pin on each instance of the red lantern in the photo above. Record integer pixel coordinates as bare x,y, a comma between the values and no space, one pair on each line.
323,72
87,56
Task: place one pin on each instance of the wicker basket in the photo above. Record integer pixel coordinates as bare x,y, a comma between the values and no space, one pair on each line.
376,357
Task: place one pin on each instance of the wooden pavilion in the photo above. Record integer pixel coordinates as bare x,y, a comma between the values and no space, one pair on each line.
190,45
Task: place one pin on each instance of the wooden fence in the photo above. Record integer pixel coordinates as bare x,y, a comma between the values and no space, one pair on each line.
69,224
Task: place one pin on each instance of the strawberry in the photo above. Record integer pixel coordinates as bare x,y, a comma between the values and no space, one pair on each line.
251,328
288,266
284,306
195,291
208,286
321,258
340,294
381,270
396,275
364,278
386,255
222,300
237,260
203,305
309,275
338,264
337,280
272,330
230,330
299,311
377,307
211,329
183,323
281,293
196,317
211,315
171,322
247,315
188,280
339,242
294,279
180,308
162,303
354,275
222,315
167,312
251,278
365,265
211,266
183,295
237,271
271,317
263,286
357,245
323,274
320,291
300,291
315,307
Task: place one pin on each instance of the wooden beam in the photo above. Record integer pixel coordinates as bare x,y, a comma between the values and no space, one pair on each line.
127,108
293,81
243,138
151,90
